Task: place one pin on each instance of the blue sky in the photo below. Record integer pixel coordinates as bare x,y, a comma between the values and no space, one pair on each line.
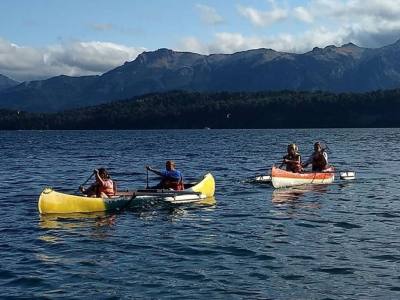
44,38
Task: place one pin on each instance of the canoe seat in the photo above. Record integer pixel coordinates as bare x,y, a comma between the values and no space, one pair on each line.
190,184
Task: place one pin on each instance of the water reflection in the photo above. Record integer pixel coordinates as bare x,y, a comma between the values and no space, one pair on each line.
148,210
209,202
144,210
76,220
294,194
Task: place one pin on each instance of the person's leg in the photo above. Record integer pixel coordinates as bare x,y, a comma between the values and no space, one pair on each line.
91,191
103,195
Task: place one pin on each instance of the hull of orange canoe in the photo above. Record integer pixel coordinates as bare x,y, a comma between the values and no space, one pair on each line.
281,178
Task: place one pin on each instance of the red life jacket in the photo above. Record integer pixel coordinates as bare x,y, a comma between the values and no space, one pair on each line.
175,185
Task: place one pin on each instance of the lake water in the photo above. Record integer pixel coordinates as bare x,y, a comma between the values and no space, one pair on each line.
340,241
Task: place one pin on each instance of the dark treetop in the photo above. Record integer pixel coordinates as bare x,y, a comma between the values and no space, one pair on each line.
285,109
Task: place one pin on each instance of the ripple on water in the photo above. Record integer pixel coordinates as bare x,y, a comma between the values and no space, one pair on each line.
6,274
346,225
28,282
334,242
292,277
387,257
335,271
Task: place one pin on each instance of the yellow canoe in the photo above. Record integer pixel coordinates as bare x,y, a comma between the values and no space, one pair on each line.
51,201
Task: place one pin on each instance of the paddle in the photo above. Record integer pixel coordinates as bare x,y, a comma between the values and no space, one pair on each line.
79,188
147,178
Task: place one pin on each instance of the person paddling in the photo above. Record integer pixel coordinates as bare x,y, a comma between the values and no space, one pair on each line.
103,186
292,159
318,159
170,178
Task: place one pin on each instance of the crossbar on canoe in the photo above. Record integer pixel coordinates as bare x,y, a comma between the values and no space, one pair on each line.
157,193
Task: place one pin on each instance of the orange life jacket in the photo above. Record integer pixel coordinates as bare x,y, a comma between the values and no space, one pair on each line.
294,167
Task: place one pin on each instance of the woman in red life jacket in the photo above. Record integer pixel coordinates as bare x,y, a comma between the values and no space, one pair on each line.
318,159
103,186
292,159
170,178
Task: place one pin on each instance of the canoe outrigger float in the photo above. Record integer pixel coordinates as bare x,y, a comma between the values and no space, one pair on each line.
51,201
281,178
267,179
262,179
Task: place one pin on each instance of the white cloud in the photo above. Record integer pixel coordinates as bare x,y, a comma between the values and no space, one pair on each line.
367,23
226,42
209,15
358,9
303,14
370,23
73,59
13,57
192,44
263,18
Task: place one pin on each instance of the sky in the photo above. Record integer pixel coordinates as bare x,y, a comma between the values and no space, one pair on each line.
45,38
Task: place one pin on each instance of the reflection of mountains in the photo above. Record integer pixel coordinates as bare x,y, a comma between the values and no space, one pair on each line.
290,195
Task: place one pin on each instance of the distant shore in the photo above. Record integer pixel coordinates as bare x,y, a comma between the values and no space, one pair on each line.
222,110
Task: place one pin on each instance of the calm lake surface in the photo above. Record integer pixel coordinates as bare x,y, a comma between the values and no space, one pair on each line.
333,242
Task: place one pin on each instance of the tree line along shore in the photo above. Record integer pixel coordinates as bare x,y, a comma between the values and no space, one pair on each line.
191,110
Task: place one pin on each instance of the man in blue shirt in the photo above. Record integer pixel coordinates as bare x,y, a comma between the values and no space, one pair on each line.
170,177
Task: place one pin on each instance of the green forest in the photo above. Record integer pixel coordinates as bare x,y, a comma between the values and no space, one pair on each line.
177,109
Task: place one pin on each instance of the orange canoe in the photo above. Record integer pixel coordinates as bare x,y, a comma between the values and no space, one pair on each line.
281,178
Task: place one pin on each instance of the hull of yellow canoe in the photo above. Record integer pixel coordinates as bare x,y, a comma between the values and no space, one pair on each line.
206,186
52,202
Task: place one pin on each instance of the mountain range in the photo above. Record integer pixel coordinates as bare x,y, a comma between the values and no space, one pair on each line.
6,82
348,68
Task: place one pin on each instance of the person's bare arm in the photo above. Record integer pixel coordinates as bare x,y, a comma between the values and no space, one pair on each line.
154,171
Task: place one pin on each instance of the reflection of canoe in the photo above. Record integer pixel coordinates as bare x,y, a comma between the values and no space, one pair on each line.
289,195
281,178
51,201
75,220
